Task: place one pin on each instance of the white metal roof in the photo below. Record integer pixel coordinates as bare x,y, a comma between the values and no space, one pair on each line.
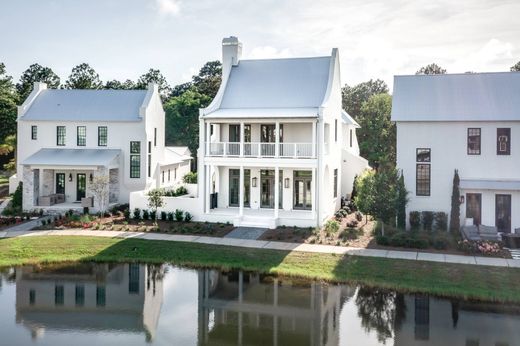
72,157
174,155
347,119
483,184
264,113
457,97
86,105
277,83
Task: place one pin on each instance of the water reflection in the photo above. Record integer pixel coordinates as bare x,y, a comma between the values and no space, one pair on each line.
135,304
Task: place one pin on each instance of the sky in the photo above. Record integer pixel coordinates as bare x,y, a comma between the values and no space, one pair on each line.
122,39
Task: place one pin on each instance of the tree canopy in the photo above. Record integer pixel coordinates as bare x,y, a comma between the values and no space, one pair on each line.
117,85
354,97
36,73
155,76
516,67
8,102
431,69
83,77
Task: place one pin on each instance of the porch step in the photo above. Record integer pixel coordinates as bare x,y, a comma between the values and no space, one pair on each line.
255,221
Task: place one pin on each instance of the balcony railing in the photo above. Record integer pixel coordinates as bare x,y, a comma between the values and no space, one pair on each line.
258,149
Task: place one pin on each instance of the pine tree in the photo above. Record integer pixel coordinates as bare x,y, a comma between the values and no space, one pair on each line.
455,204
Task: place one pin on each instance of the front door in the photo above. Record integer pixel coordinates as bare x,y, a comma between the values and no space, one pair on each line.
302,190
60,183
81,186
503,213
474,207
268,138
267,186
234,187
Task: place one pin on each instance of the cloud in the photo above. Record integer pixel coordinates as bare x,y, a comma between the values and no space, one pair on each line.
168,7
494,55
268,52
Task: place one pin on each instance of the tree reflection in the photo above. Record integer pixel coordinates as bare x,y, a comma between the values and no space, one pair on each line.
381,310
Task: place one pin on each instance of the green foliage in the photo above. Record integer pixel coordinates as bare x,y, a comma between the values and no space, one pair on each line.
180,191
170,216
207,82
354,97
190,178
516,67
8,147
83,77
155,76
188,217
16,201
8,102
441,221
331,227
427,220
415,220
365,198
377,135
377,194
164,216
117,85
146,215
155,200
179,215
36,73
455,204
401,202
137,214
431,69
354,189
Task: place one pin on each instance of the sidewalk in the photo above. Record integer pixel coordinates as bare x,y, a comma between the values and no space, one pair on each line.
275,245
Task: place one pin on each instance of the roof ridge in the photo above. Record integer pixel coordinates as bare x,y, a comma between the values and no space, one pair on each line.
457,74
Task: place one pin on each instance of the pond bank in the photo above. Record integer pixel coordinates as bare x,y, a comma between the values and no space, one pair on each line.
443,279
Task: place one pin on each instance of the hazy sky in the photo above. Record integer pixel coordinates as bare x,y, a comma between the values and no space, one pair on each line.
376,39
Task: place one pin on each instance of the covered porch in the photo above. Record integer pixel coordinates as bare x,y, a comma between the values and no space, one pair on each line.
56,179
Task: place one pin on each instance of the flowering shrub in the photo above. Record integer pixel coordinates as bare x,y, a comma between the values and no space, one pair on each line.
481,247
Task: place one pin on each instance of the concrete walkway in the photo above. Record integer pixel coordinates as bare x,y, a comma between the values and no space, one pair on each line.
251,233
274,245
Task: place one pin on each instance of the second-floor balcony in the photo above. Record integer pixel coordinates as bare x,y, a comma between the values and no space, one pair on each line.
260,149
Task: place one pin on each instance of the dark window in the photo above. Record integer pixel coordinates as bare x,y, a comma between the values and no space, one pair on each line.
474,207
60,183
162,178
149,159
422,180
423,155
60,135
32,297
474,141
155,137
335,130
234,133
135,159
149,147
102,136
59,297
101,296
350,137
80,295
336,182
175,173
168,175
133,278
504,141
34,132
81,136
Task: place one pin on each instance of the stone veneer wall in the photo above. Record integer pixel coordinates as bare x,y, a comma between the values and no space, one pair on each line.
113,186
31,188
47,178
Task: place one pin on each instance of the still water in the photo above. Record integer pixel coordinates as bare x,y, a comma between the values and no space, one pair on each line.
139,304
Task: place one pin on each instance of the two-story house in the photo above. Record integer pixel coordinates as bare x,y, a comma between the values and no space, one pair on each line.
275,146
469,122
68,137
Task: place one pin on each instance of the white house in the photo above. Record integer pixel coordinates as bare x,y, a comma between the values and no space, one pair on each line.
469,122
276,148
68,137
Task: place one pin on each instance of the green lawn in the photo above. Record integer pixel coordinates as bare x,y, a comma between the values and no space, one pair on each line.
464,281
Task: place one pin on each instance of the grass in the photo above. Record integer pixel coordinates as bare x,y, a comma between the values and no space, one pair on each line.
449,280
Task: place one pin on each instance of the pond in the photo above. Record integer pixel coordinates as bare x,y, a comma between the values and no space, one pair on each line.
140,304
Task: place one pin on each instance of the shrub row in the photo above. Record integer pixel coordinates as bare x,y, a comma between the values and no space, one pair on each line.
428,220
413,239
178,215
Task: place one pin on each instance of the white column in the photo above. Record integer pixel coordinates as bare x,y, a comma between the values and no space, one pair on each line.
276,191
207,188
241,192
277,140
208,136
313,191
314,124
242,136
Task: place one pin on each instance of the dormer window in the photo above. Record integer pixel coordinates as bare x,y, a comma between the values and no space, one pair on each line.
503,141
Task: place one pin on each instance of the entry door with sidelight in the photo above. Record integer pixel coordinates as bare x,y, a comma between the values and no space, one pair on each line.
474,207
267,185
81,186
302,190
234,187
60,183
268,138
503,213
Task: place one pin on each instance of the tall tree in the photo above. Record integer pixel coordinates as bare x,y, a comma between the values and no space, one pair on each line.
354,97
182,118
180,89
117,85
455,204
83,77
377,134
401,201
36,73
208,80
431,69
8,102
516,67
155,76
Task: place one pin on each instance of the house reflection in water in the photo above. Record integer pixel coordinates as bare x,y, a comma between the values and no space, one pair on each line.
239,308
125,298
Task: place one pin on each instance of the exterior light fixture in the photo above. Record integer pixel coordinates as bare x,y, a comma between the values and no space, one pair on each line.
286,180
91,178
461,199
70,176
254,182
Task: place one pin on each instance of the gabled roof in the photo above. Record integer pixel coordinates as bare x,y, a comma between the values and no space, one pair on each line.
457,97
86,105
174,155
72,157
277,83
347,119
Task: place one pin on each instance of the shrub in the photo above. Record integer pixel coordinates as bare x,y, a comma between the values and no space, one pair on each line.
331,227
359,216
126,214
415,220
146,215
188,217
190,178
427,220
338,216
347,210
441,221
382,240
352,223
170,216
163,215
440,242
153,215
400,239
137,214
181,190
16,201
179,215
